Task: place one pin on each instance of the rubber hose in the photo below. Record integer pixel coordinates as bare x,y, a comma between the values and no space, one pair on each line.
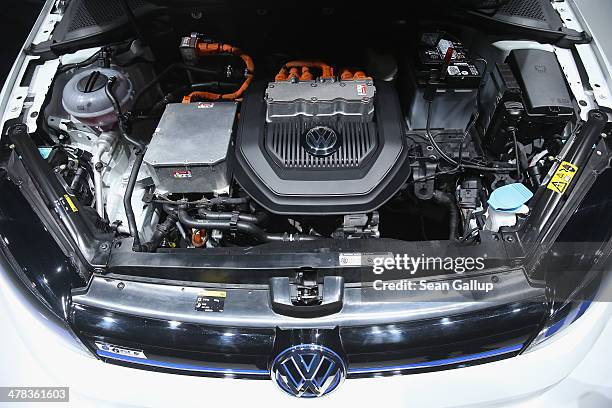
258,219
110,93
229,200
127,199
446,200
161,231
243,227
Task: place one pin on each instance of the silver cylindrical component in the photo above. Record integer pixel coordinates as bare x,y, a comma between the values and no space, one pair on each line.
104,145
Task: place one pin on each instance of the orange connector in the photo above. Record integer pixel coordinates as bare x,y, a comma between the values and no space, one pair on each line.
293,73
348,75
199,238
282,75
327,72
306,74
360,75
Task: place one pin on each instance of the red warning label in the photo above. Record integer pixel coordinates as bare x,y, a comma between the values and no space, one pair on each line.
182,174
362,90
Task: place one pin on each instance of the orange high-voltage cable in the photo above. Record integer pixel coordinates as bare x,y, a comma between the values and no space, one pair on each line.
205,49
291,69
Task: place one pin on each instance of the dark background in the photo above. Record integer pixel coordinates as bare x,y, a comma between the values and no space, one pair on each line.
18,17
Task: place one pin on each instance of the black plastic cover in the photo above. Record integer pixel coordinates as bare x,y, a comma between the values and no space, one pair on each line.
357,186
542,81
90,23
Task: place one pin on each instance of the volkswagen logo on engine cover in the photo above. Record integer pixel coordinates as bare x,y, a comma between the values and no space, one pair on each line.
308,371
321,141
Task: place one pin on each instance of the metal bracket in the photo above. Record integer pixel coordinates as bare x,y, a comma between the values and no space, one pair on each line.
330,295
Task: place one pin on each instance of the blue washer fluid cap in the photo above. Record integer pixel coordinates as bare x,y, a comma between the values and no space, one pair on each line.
45,152
509,198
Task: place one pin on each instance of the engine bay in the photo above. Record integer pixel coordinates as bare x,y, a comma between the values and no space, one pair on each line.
180,139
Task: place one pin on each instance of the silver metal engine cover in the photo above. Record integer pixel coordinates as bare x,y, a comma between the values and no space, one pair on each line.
320,98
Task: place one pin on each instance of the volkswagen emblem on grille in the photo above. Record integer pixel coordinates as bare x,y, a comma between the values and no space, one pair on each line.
308,371
321,141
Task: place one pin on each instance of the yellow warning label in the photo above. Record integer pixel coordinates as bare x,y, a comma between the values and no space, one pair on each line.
70,203
214,293
562,178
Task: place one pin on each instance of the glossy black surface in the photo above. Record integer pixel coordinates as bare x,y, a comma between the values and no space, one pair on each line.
25,240
579,258
170,334
438,339
238,348
373,346
592,220
255,265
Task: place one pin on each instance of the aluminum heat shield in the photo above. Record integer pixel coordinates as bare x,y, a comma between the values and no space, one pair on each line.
189,149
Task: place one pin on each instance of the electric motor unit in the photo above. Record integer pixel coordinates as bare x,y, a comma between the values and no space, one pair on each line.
331,148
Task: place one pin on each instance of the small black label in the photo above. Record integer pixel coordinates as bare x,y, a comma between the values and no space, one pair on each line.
211,301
